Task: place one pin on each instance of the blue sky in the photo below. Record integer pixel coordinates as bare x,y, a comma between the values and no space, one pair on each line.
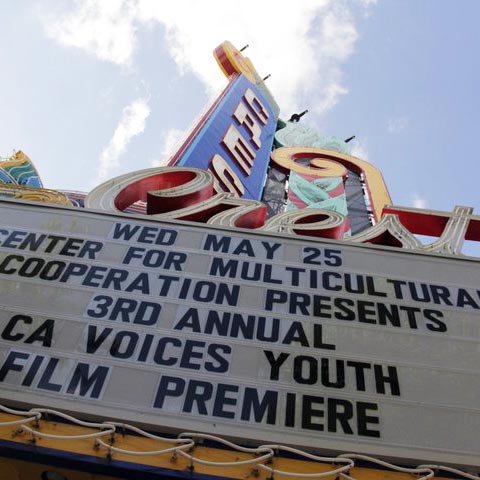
93,89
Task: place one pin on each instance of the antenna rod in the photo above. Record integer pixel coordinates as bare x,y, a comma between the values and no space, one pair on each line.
297,116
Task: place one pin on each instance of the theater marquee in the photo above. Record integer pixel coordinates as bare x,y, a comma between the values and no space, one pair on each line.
324,344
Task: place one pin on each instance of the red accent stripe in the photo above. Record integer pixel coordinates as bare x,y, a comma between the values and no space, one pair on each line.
336,192
292,197
224,61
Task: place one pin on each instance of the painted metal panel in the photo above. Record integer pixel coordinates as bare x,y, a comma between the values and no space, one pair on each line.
210,139
320,344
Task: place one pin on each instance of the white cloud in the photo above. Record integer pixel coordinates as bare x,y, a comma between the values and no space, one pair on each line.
303,46
396,125
171,143
132,122
104,28
418,201
360,148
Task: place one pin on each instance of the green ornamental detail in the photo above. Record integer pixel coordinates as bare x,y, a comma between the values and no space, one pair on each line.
305,192
292,134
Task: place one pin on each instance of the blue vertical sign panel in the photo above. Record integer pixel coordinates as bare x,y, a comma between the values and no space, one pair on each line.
256,133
